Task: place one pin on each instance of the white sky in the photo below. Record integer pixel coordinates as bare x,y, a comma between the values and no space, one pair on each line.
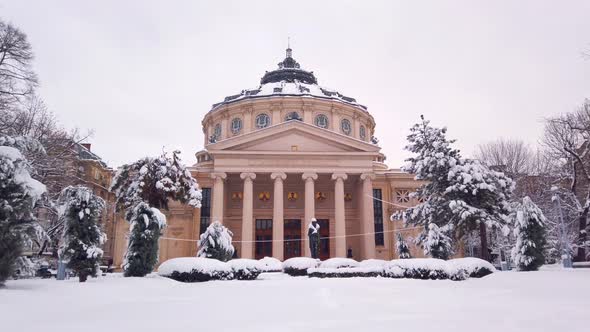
142,74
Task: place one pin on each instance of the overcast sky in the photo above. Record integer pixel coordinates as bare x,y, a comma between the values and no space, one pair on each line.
142,74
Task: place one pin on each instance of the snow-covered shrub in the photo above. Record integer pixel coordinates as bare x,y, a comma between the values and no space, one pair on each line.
529,230
403,251
297,266
417,268
271,264
146,224
337,263
471,267
80,211
195,269
373,263
215,242
345,272
18,196
144,188
245,269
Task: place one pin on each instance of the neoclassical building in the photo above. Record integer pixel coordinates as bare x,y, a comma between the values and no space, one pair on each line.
280,154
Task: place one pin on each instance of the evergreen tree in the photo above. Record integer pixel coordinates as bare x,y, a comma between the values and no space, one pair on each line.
403,251
80,211
143,188
18,196
434,157
215,243
529,230
459,196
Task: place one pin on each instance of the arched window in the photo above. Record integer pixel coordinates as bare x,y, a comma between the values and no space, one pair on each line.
236,125
321,121
363,133
262,121
217,131
293,116
345,126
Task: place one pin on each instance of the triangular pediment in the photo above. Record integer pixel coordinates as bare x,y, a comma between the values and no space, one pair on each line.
293,136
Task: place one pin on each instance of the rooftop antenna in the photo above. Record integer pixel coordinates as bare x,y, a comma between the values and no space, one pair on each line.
289,51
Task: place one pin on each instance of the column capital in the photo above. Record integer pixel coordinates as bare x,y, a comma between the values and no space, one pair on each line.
218,175
278,175
247,175
368,176
313,176
336,176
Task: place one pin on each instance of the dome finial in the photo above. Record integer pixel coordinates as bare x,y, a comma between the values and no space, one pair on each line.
289,50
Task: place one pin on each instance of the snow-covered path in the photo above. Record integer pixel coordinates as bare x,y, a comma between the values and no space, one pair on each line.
550,300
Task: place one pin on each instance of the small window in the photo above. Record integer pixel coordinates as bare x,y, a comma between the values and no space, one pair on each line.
217,131
236,125
262,121
321,121
402,196
293,116
345,126
363,133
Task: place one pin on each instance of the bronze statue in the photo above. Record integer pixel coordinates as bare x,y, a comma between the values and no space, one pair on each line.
313,232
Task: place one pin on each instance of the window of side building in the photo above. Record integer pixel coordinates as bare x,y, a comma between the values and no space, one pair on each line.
378,217
205,210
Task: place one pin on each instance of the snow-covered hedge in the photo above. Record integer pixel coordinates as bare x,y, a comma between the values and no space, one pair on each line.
345,272
298,266
416,268
431,268
245,269
270,264
337,263
373,263
195,269
471,266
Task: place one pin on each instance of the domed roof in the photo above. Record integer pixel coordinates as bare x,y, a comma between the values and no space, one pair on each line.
289,80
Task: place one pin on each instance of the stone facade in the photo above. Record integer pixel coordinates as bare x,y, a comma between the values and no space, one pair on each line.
274,160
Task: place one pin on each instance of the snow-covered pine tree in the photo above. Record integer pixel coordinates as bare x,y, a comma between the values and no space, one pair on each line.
80,211
18,195
215,243
142,188
479,200
433,159
403,251
530,231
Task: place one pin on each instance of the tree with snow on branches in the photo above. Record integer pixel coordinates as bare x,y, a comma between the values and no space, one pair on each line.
530,230
80,211
215,243
144,188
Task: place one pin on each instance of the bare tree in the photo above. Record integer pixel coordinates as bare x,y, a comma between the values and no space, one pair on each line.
17,79
513,157
567,138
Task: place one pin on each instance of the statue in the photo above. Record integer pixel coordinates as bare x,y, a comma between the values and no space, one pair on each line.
313,232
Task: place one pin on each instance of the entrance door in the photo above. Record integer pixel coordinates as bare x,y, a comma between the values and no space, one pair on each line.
292,234
324,238
263,235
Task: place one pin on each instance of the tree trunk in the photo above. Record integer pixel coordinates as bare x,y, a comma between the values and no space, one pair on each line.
483,238
82,276
581,255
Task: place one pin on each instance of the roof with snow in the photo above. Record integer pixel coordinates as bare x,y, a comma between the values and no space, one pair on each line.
289,80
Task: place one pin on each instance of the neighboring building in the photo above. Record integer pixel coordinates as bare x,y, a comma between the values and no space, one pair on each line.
280,154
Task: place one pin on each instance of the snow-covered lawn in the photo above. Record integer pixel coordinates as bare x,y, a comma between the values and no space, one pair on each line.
549,300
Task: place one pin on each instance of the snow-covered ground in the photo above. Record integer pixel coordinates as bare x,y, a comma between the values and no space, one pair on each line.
550,300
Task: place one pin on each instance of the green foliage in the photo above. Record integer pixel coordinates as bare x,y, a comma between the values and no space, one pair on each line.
142,249
215,243
403,251
530,232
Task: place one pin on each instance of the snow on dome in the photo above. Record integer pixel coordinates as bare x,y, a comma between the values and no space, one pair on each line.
289,80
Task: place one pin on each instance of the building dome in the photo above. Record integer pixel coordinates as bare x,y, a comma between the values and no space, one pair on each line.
289,80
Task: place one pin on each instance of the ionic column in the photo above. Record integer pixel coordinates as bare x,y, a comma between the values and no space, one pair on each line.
218,196
367,222
309,179
339,214
247,217
278,216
